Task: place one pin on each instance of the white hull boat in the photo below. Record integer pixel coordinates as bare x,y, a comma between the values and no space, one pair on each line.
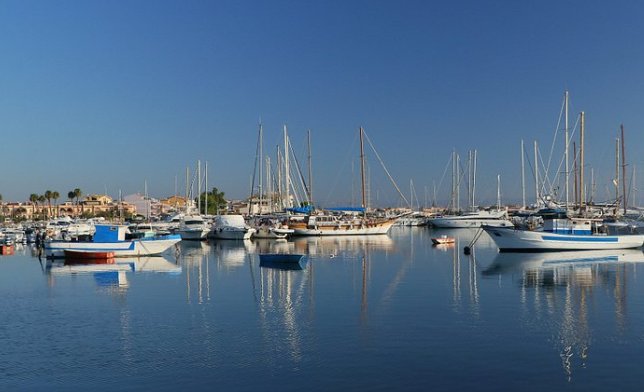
508,239
272,229
193,228
326,225
112,239
230,227
473,220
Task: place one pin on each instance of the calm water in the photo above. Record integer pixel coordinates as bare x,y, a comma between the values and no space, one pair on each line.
368,313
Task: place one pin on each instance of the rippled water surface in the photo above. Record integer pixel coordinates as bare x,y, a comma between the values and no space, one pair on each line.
361,313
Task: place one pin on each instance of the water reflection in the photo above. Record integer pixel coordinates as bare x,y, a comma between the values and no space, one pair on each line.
342,246
232,254
108,273
195,257
282,289
464,276
557,289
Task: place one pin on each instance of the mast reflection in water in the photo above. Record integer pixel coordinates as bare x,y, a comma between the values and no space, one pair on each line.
558,290
387,312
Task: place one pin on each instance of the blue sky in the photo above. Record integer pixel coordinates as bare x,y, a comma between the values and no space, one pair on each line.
106,95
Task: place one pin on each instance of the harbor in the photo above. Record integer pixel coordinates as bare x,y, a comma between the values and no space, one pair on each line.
321,196
208,312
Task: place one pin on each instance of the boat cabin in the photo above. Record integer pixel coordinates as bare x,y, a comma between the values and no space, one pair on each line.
576,226
110,233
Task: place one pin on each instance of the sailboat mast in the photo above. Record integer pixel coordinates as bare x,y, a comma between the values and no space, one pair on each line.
623,171
536,173
362,169
279,176
582,198
522,176
458,183
147,200
470,199
261,166
567,147
574,148
269,185
616,181
187,187
199,186
310,170
498,192
474,182
453,201
287,176
206,189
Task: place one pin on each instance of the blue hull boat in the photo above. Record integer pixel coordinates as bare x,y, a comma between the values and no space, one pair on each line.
280,258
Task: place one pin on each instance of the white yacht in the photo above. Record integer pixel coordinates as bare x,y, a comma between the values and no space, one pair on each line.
193,227
230,227
496,218
271,228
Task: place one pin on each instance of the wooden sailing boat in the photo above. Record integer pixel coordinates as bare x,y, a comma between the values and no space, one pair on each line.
322,224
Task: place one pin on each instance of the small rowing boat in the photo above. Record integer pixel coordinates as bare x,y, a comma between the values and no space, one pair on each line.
280,257
443,240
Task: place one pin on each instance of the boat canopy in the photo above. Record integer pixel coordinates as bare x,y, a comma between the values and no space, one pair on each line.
347,209
301,210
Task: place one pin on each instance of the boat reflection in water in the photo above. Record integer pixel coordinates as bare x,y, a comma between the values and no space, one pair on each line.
110,272
560,289
286,266
232,254
347,246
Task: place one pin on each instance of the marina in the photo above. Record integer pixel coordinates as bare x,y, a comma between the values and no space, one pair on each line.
321,196
212,312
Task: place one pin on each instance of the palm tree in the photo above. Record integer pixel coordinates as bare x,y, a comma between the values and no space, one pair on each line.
48,195
78,194
42,199
33,198
71,195
55,195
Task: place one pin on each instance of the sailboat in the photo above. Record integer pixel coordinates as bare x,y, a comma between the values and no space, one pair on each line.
561,232
327,224
474,218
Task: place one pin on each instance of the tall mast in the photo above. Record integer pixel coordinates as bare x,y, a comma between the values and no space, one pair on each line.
566,147
470,198
287,176
147,200
623,171
458,183
206,189
310,170
279,176
536,173
362,168
522,176
582,198
187,187
574,148
261,166
269,185
453,201
593,186
199,186
474,182
616,182
498,192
